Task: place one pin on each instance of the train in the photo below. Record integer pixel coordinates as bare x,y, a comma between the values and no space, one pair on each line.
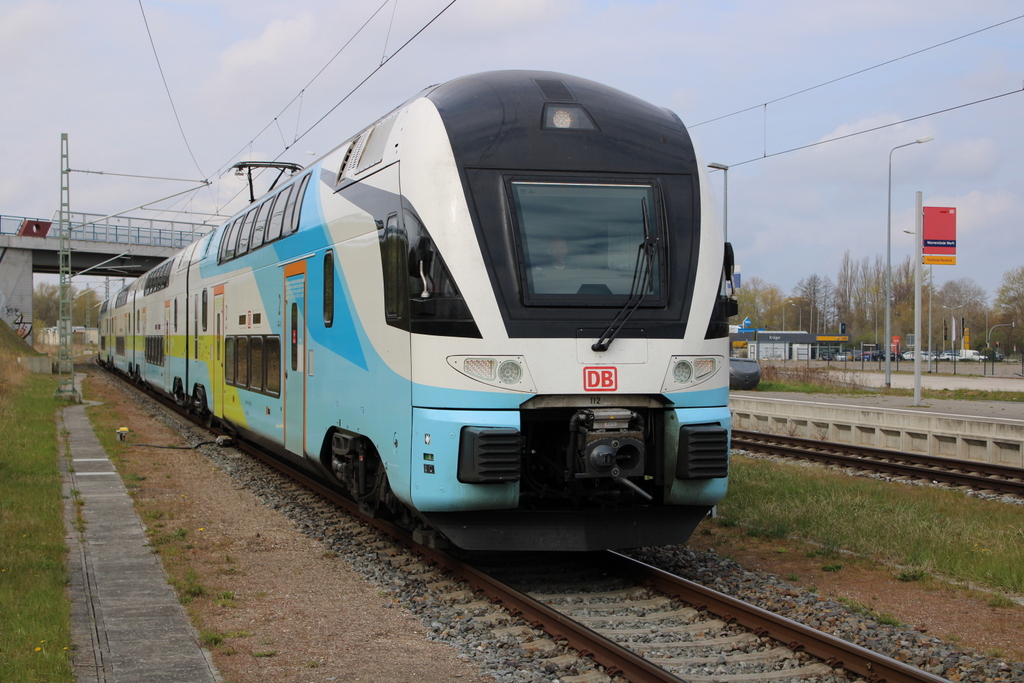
498,315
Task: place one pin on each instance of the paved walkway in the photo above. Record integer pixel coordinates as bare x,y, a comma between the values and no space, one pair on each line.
127,625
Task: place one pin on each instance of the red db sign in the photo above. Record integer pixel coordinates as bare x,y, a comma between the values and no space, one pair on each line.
600,379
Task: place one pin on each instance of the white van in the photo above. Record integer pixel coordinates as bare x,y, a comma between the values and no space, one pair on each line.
970,354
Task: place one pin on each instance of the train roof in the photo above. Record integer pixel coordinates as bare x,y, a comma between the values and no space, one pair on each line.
492,117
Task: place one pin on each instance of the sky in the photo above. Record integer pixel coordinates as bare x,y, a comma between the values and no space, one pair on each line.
262,79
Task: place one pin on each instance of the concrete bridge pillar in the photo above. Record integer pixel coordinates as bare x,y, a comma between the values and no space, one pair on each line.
16,290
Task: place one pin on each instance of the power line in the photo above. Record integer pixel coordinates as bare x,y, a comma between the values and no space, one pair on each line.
351,92
130,175
168,90
877,128
856,73
371,75
302,92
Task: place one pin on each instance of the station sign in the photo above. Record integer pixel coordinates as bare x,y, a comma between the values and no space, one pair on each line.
939,235
834,338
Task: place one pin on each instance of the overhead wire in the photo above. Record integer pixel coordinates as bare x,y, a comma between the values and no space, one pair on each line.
856,73
167,89
372,73
302,92
877,128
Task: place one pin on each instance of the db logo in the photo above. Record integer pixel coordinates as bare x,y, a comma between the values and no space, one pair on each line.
600,379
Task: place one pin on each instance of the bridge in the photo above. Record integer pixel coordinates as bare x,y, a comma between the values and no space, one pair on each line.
115,246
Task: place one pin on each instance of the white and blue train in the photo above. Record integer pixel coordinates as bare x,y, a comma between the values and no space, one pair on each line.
499,314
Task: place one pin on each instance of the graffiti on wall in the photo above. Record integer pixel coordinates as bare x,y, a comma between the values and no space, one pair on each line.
22,328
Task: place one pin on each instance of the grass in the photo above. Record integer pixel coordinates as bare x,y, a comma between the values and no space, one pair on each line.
930,529
799,378
35,615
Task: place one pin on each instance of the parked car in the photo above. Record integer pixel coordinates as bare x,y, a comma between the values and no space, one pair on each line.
744,373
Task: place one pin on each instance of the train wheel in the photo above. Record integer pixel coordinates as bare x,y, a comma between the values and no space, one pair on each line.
200,406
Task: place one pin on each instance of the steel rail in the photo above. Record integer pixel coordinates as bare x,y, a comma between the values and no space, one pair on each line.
605,652
834,651
616,659
987,476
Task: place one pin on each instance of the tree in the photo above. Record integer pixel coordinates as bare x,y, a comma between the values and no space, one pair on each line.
1009,305
817,293
46,306
964,300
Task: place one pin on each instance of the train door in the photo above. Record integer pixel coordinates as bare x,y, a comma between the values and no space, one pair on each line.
294,394
165,351
217,352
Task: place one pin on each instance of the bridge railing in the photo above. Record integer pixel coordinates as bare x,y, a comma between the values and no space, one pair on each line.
119,230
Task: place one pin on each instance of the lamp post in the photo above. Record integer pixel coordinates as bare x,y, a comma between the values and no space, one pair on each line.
725,197
888,266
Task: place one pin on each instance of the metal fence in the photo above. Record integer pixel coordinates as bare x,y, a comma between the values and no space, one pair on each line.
119,230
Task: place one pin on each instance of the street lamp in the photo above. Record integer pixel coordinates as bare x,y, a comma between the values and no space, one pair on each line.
725,197
800,325
888,265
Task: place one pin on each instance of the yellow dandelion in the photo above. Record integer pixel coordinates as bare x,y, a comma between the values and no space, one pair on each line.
38,649
202,528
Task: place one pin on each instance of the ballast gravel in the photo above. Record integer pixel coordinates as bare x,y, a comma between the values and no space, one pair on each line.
485,639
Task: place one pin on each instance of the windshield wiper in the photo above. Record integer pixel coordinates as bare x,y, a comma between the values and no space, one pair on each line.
643,282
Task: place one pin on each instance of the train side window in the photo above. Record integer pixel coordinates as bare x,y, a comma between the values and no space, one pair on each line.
242,362
329,288
394,257
261,223
195,326
272,353
256,363
295,208
227,249
277,216
229,360
206,310
246,232
294,331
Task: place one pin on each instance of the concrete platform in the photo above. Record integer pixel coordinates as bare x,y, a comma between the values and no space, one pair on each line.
986,431
127,625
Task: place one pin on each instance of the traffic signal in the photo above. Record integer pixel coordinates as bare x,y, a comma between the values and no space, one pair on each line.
945,331
842,328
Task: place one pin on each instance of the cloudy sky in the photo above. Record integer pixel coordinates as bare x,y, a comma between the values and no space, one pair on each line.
252,78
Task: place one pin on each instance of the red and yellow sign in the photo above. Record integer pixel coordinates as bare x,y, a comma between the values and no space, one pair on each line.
939,236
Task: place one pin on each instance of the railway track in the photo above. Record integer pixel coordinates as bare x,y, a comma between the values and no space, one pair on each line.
635,621
961,473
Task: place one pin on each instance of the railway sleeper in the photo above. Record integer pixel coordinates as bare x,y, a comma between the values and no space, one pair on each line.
776,654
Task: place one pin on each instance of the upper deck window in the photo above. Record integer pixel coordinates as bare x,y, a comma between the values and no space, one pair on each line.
580,244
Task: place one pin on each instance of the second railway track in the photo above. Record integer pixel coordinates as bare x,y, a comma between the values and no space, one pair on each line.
961,473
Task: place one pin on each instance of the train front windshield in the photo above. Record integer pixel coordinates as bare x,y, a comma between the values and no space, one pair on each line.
582,243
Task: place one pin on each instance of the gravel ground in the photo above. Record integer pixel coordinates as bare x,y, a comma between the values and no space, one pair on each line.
404,585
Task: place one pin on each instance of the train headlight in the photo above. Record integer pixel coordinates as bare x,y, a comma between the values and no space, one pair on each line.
567,117
703,367
686,372
510,372
481,368
682,372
